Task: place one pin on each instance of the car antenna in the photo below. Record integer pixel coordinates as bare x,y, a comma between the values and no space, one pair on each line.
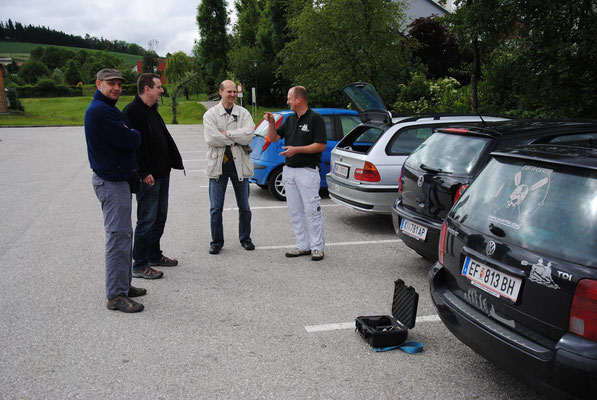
479,114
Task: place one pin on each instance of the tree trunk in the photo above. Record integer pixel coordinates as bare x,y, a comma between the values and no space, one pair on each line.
475,77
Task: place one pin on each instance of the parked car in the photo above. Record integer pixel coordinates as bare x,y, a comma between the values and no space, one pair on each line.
266,155
367,162
437,172
516,279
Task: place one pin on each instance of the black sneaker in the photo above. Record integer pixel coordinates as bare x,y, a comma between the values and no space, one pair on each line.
124,304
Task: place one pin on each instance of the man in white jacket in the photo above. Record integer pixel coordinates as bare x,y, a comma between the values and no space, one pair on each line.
228,133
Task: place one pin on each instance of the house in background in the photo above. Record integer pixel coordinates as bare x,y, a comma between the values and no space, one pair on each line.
160,69
427,8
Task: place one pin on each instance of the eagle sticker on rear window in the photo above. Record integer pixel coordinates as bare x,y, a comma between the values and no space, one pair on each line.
520,196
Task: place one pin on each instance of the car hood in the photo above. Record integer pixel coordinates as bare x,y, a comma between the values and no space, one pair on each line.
367,102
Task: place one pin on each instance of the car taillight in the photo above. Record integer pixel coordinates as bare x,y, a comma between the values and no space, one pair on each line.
266,144
442,243
583,314
460,192
368,173
400,180
266,141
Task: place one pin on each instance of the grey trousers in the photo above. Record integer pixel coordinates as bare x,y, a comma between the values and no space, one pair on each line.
116,200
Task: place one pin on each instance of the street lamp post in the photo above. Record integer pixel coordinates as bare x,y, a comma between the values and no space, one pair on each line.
255,91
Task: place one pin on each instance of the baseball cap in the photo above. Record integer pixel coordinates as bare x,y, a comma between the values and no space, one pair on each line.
107,73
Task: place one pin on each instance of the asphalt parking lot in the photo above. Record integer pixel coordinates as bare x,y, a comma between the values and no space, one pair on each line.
250,325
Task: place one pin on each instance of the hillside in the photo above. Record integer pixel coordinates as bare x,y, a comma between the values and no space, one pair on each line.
20,51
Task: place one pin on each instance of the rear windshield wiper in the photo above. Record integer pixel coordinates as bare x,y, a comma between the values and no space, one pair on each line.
434,170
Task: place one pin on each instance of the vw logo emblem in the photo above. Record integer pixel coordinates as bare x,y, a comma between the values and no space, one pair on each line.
490,248
420,181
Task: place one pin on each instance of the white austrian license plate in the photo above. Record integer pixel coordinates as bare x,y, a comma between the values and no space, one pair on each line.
414,230
341,170
491,280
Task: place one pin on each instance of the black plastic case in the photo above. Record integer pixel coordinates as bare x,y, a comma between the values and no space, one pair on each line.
384,330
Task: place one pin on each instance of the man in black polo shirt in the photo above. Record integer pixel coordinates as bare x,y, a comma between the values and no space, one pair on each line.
305,140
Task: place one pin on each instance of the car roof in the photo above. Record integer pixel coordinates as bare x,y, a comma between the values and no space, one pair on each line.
523,127
576,156
323,111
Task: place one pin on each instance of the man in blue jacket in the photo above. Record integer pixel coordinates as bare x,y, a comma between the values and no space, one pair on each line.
111,147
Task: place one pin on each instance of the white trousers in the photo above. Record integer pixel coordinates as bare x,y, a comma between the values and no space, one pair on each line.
302,197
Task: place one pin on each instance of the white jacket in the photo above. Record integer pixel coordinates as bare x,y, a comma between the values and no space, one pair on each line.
239,128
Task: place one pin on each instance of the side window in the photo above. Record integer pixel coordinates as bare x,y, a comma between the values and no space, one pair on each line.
408,139
348,123
575,138
329,132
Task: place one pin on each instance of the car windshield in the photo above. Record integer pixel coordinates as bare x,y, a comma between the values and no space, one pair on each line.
551,209
456,154
261,129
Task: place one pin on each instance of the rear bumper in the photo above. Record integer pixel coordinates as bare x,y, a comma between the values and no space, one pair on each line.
571,366
368,198
428,247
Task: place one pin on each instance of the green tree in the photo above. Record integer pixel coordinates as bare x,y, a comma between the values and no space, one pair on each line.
481,26
213,45
338,42
150,61
72,72
176,68
177,88
33,70
58,76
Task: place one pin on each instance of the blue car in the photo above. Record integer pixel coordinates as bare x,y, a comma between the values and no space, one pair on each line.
266,155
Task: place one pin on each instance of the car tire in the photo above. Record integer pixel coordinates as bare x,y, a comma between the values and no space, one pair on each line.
275,185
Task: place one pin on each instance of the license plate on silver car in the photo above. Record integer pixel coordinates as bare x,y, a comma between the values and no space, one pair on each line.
492,281
341,170
414,230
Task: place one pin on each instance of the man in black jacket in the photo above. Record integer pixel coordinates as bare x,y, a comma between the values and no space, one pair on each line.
156,156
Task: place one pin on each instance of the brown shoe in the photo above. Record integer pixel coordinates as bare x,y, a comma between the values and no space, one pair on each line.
136,291
124,304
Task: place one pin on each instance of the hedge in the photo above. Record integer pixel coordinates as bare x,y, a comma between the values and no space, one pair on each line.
47,88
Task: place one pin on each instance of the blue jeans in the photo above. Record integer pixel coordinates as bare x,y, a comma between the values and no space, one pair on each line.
152,212
217,193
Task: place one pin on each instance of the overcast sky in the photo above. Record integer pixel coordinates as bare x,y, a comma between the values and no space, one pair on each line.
172,23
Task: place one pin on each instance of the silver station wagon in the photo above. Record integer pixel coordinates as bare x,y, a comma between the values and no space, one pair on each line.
366,163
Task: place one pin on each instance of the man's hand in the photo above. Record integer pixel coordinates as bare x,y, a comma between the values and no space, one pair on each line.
223,132
289,151
149,180
269,117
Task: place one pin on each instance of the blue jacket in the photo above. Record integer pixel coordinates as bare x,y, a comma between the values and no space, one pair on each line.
111,144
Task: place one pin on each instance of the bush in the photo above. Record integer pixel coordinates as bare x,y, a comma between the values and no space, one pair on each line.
422,95
47,88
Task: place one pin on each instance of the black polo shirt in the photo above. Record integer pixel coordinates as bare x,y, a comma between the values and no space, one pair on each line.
303,131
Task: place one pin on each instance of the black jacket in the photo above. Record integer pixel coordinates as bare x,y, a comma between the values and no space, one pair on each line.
158,152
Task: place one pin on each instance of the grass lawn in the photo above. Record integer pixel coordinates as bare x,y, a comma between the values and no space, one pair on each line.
21,51
71,111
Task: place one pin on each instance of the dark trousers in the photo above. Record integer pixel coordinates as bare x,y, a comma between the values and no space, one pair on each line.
152,212
217,193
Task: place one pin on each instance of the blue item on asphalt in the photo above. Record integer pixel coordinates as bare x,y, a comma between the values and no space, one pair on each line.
407,347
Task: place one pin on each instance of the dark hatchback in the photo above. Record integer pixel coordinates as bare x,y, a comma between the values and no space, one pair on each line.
516,279
438,171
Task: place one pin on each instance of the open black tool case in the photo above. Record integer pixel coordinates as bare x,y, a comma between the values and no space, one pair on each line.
384,330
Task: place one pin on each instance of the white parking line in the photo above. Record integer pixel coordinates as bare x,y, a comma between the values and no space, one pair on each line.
351,325
335,244
276,207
